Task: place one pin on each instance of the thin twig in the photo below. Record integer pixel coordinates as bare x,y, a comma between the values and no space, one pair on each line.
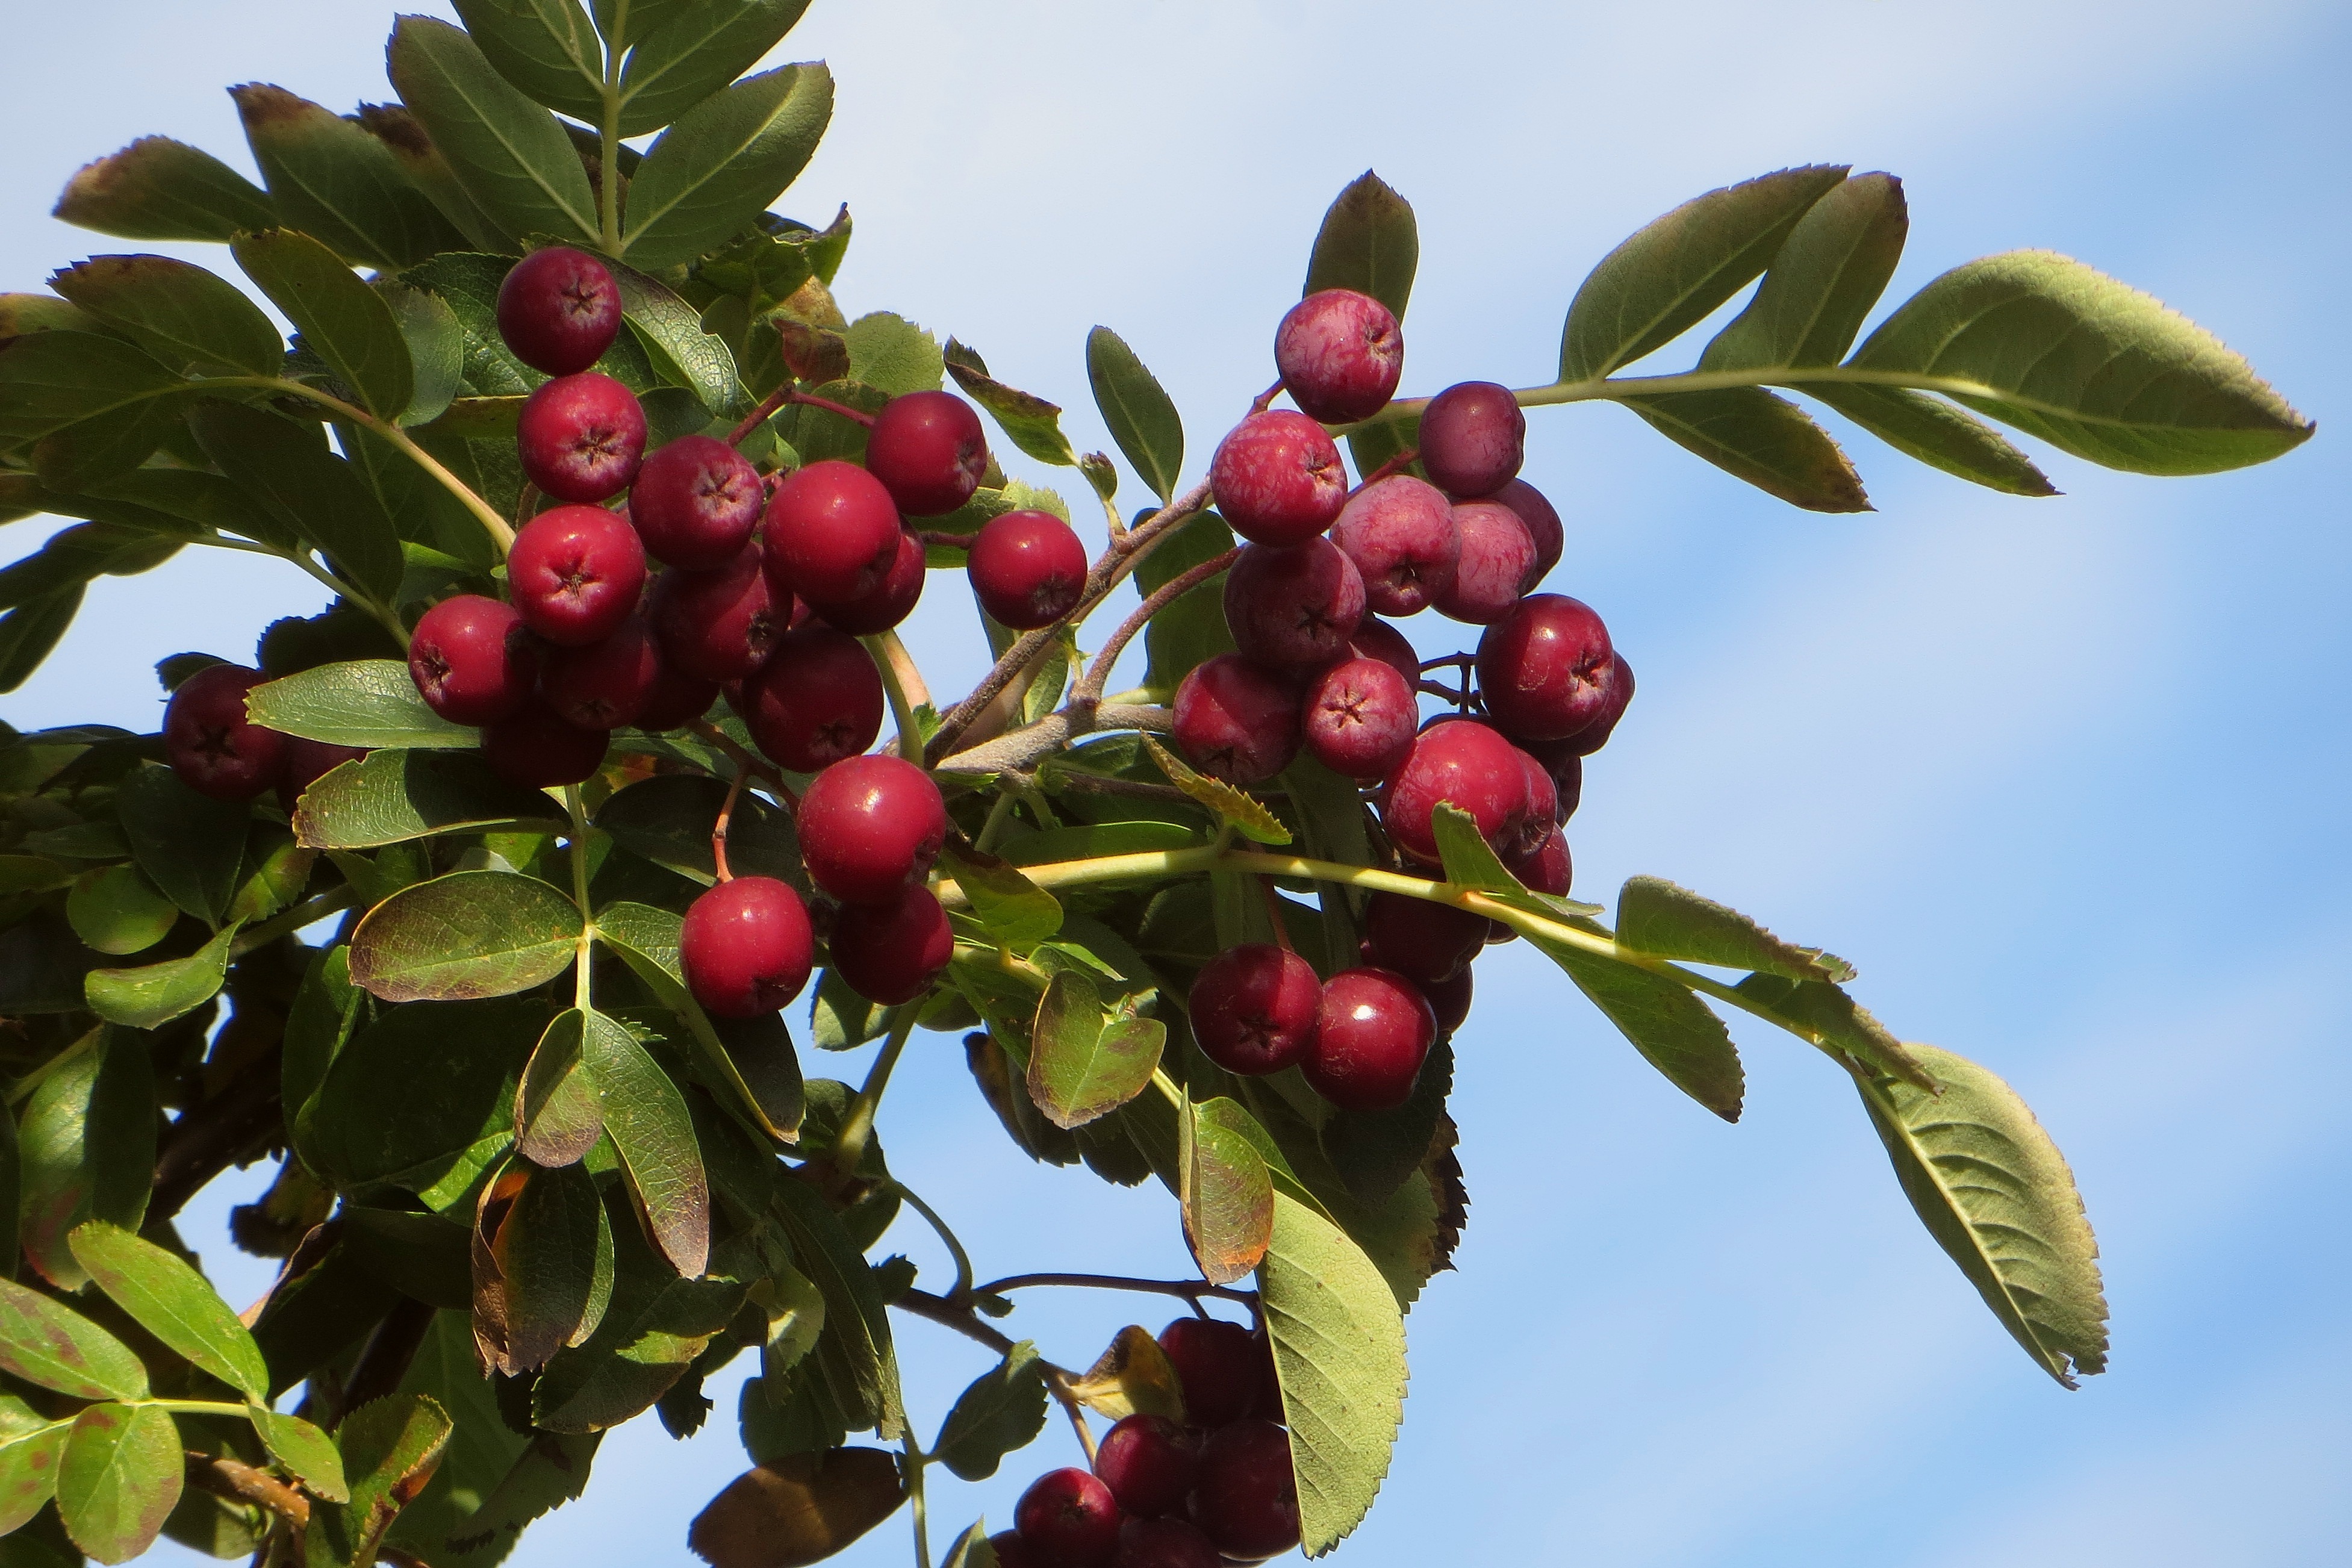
1190,1289
787,394
240,1482
745,763
963,1320
1089,696
1265,400
1020,750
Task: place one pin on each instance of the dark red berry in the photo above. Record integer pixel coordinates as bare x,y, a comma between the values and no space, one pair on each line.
1164,1543
870,828
832,532
209,742
605,684
1011,1551
534,747
1147,1461
305,763
574,574
677,700
1449,1000
746,947
1542,524
1465,764
1216,1366
1027,569
1361,717
1246,1500
1294,606
1277,478
928,450
1340,354
472,659
717,626
1420,940
1375,638
559,310
1267,1405
1070,1518
889,952
1544,669
1546,868
695,502
581,436
1400,533
891,601
1253,1008
1543,806
1473,438
819,699
1372,1032
1498,557
1617,691
1235,722
1566,765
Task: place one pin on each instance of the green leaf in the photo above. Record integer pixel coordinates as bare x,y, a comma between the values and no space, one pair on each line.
1191,630
853,1352
12,1197
1937,434
370,702
655,1327
671,331
51,1345
682,59
1012,909
464,935
1003,1409
157,188
330,178
87,1147
314,497
557,1114
153,994
1142,416
181,313
1829,273
551,1471
27,635
1669,276
436,350
119,1478
1226,1190
325,1008
647,1118
546,47
341,320
451,1068
1339,1351
1656,917
391,1448
1996,1195
308,1453
667,820
718,168
50,381
798,1509
508,155
405,136
393,795
1249,816
1768,441
116,910
1674,1031
189,844
1082,1066
972,1549
535,1274
426,1256
29,1450
758,1071
468,284
1369,242
1100,839
891,352
1825,1015
172,1301
1033,425
2092,366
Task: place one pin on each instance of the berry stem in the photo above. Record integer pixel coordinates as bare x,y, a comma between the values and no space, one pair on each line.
789,393
1395,465
901,680
963,1290
500,532
582,997
1190,1289
857,1127
745,763
1088,695
719,828
609,136
1274,914
932,537
1265,400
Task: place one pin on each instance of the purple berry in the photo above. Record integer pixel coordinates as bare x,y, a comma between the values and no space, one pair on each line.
1493,571
694,503
1473,438
1235,722
559,310
1340,354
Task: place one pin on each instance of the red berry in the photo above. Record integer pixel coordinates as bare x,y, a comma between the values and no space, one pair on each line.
819,699
305,763
1542,524
1546,868
1473,438
1011,1551
1253,1008
1277,478
581,436
1375,638
605,684
870,828
574,574
1617,691
472,659
1147,1461
1216,1366
892,600
889,952
928,450
1267,1405
1027,569
1449,1000
1235,722
717,626
1544,669
534,747
1465,764
1400,533
1246,1500
1566,765
1164,1543
1543,806
746,947
559,310
1361,717
1294,606
1340,354
1497,558
833,533
695,502
1420,940
210,742
1070,1518
1372,1032
677,700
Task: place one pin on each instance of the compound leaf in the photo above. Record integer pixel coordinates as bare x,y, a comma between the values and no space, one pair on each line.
1766,440
683,57
1829,273
508,155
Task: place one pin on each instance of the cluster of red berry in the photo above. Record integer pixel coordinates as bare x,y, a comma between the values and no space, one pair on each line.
1316,667
1215,1490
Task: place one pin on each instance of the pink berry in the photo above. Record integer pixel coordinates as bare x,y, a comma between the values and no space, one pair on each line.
1361,717
1027,569
1420,940
1147,1461
1216,1366
581,436
1070,1518
1375,638
927,450
1235,722
1294,606
607,684
559,310
1340,354
1400,533
473,660
1253,1008
890,602
1494,569
1545,667
718,626
210,742
818,700
1246,1500
694,503
833,531
534,748
1542,524
576,573
1277,478
746,947
1464,765
890,953
1473,438
870,828
1372,1031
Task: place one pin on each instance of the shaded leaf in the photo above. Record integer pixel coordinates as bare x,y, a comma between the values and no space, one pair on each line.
51,379
464,935
313,496
330,178
157,188
369,702
538,1264
1033,425
1674,1031
550,1473
1938,435
508,155
667,820
1766,440
1132,1377
1142,416
1003,1409
153,994
179,312
451,1067
1369,242
1083,1066
27,635
654,1327
1250,817
341,320
720,166
119,1478
171,1300
558,1115
1013,911
391,796
424,1256
87,1148
1830,271
852,1354
51,1345
1654,916
1227,1192
391,1447
325,1008
436,350
647,1118
798,1509
189,844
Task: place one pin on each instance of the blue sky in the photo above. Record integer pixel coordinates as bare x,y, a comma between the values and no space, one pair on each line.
2064,777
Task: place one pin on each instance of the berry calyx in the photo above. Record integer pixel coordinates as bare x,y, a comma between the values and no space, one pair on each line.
891,601
606,684
1246,1500
818,700
746,947
534,748
1070,1518
695,502
1473,438
1253,1008
1463,763
890,953
1294,606
1494,566
1216,1366
1372,1032
1361,717
559,310
1400,533
1235,722
472,659
1277,478
581,436
1542,521
574,574
1420,940
1027,569
927,450
832,532
870,828
1544,669
718,626
1340,354
210,742
1164,1543
1147,1462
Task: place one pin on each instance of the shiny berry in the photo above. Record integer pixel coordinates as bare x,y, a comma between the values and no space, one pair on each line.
210,742
928,451
1546,868
473,660
1542,522
1618,691
1462,764
534,748
1496,565
746,947
305,763
1375,638
1147,1461
559,310
1235,722
832,532
1340,354
870,828
1246,1500
1420,940
605,684
891,601
1400,533
818,700
1253,1008
1372,1032
1277,478
890,953
1361,718
1216,1366
1473,438
1164,1543
695,502
718,626
1545,668
1449,1000
574,574
580,436
1294,606
1070,1518
1027,569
